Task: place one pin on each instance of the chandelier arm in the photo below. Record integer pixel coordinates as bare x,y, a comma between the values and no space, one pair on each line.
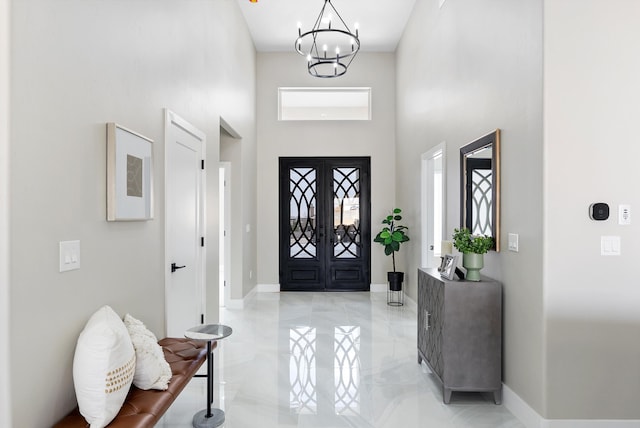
328,64
336,12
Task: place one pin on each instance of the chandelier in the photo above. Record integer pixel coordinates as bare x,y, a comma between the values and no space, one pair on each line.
329,46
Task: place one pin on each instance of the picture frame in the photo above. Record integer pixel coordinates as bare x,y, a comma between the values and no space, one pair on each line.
129,175
449,264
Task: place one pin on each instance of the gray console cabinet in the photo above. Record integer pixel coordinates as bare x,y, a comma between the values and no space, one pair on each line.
460,333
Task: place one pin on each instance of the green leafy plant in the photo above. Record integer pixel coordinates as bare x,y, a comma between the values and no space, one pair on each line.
465,242
392,235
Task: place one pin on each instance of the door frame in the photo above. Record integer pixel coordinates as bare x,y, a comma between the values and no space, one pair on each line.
427,254
331,273
172,119
225,231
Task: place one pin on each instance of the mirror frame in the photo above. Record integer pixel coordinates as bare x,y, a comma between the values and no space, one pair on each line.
491,139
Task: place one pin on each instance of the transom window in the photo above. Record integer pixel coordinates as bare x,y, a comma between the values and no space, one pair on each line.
324,103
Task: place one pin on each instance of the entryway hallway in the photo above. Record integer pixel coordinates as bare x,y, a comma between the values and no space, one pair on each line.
328,360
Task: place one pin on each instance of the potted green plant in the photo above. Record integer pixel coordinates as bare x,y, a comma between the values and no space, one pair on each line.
473,249
390,237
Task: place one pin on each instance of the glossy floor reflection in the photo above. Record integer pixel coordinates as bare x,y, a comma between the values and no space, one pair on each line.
328,360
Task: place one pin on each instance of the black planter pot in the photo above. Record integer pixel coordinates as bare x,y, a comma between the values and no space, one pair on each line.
395,280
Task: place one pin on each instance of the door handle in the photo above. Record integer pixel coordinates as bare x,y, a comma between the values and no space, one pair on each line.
175,268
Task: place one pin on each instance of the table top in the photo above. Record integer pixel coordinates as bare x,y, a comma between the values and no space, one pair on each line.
208,332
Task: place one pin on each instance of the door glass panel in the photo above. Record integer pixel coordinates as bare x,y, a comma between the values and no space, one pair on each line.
346,213
302,215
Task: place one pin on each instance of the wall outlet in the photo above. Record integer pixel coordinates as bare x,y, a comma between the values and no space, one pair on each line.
624,214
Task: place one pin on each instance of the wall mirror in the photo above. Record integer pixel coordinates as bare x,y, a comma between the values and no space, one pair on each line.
480,186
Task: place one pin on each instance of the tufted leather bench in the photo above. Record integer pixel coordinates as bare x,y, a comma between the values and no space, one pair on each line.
143,408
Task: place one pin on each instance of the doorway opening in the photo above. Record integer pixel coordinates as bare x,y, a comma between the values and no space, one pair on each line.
433,191
224,249
230,237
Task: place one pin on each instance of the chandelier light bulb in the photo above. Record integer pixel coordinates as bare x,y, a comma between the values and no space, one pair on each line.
338,51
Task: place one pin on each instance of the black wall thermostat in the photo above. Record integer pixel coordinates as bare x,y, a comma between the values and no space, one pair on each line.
599,211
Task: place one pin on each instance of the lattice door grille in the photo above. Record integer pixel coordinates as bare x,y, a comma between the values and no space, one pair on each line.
302,219
346,213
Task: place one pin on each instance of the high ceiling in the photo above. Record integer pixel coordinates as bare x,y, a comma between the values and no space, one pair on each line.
273,23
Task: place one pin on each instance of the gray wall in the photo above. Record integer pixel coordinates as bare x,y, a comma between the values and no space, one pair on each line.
462,71
77,64
591,105
5,405
373,138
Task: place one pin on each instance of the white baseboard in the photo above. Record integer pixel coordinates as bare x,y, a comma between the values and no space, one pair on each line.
520,409
531,419
590,423
378,288
241,303
268,288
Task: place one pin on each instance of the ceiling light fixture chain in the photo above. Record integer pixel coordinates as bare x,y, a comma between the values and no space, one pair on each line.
330,46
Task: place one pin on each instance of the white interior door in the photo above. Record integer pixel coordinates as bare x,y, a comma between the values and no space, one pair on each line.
433,204
184,208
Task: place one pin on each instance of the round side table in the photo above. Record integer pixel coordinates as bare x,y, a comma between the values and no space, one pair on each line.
209,418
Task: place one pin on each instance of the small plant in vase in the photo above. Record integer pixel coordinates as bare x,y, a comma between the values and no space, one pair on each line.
473,249
391,236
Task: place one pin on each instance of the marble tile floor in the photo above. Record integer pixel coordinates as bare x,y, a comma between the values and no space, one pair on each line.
330,360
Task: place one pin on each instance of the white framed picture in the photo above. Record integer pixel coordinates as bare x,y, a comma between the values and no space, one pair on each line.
129,175
449,264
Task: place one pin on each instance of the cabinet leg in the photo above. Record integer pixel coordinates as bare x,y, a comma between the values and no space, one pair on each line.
446,394
419,358
497,396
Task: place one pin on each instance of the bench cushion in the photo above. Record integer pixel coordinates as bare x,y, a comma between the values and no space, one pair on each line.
144,408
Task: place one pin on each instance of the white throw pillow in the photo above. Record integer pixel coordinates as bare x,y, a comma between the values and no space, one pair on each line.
103,367
152,369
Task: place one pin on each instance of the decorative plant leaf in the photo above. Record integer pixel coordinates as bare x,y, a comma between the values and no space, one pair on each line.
465,242
392,236
397,236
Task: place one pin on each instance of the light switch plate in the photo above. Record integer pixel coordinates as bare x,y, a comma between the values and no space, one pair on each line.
610,246
69,255
513,242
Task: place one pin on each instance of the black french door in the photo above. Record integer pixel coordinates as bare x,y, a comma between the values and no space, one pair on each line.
325,225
